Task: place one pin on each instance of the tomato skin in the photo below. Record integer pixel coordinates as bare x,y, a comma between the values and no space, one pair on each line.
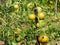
37,25
39,9
31,16
41,15
43,38
51,2
16,6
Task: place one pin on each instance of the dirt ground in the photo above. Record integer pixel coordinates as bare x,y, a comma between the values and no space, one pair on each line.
2,43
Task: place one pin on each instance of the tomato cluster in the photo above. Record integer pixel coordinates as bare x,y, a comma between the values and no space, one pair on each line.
18,21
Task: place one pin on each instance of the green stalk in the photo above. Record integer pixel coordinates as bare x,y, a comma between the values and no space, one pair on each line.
56,8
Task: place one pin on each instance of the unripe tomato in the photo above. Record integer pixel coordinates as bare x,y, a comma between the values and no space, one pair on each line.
16,32
51,2
39,9
32,16
43,38
41,15
37,25
16,6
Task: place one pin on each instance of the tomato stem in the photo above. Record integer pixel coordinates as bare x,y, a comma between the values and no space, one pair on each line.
36,21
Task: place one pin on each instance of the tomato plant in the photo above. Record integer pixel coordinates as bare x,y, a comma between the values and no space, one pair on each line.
25,19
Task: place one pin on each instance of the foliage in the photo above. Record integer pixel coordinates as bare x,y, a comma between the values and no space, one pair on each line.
16,26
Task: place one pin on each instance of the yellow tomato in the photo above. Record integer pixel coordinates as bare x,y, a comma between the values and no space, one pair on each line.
16,32
16,6
43,38
32,16
41,15
51,2
37,25
39,9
